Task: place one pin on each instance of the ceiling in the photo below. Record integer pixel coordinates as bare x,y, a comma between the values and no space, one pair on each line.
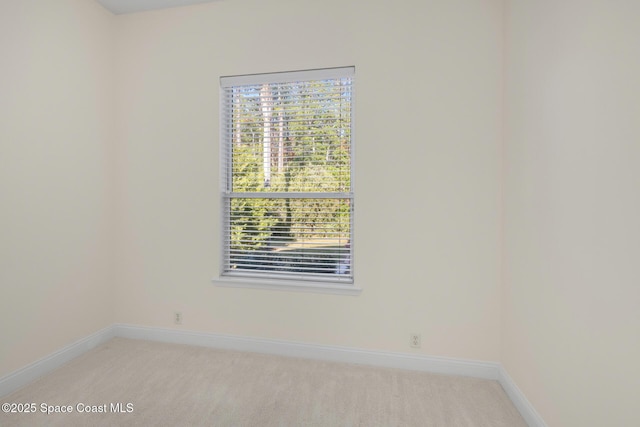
120,7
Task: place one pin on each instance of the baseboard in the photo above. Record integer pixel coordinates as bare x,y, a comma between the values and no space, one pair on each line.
519,400
30,373
440,365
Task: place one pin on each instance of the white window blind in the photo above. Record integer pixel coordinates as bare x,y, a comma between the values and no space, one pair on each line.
287,190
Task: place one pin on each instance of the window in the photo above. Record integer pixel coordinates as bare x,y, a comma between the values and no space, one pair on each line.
287,189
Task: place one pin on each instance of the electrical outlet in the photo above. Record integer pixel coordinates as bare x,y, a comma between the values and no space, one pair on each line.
415,340
177,318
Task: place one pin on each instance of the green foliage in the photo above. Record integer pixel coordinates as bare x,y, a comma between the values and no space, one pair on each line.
302,132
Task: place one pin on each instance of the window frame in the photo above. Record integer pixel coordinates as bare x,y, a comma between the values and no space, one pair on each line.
266,279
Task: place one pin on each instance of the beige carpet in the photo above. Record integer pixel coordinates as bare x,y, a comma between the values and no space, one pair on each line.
174,385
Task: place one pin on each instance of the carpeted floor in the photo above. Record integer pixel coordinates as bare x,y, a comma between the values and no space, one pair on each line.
156,384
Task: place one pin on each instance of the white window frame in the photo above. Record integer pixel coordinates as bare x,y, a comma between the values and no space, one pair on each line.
265,280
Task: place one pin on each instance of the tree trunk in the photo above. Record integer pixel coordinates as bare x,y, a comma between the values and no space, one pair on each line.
266,101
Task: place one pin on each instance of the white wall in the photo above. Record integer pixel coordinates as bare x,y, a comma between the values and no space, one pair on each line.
572,301
55,196
427,168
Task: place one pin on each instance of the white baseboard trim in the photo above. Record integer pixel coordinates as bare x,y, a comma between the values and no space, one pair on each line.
33,371
519,400
440,365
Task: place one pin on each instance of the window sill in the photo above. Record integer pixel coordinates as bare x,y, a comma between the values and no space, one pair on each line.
280,285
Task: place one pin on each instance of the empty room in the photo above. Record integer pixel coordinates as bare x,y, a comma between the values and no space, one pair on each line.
320,213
